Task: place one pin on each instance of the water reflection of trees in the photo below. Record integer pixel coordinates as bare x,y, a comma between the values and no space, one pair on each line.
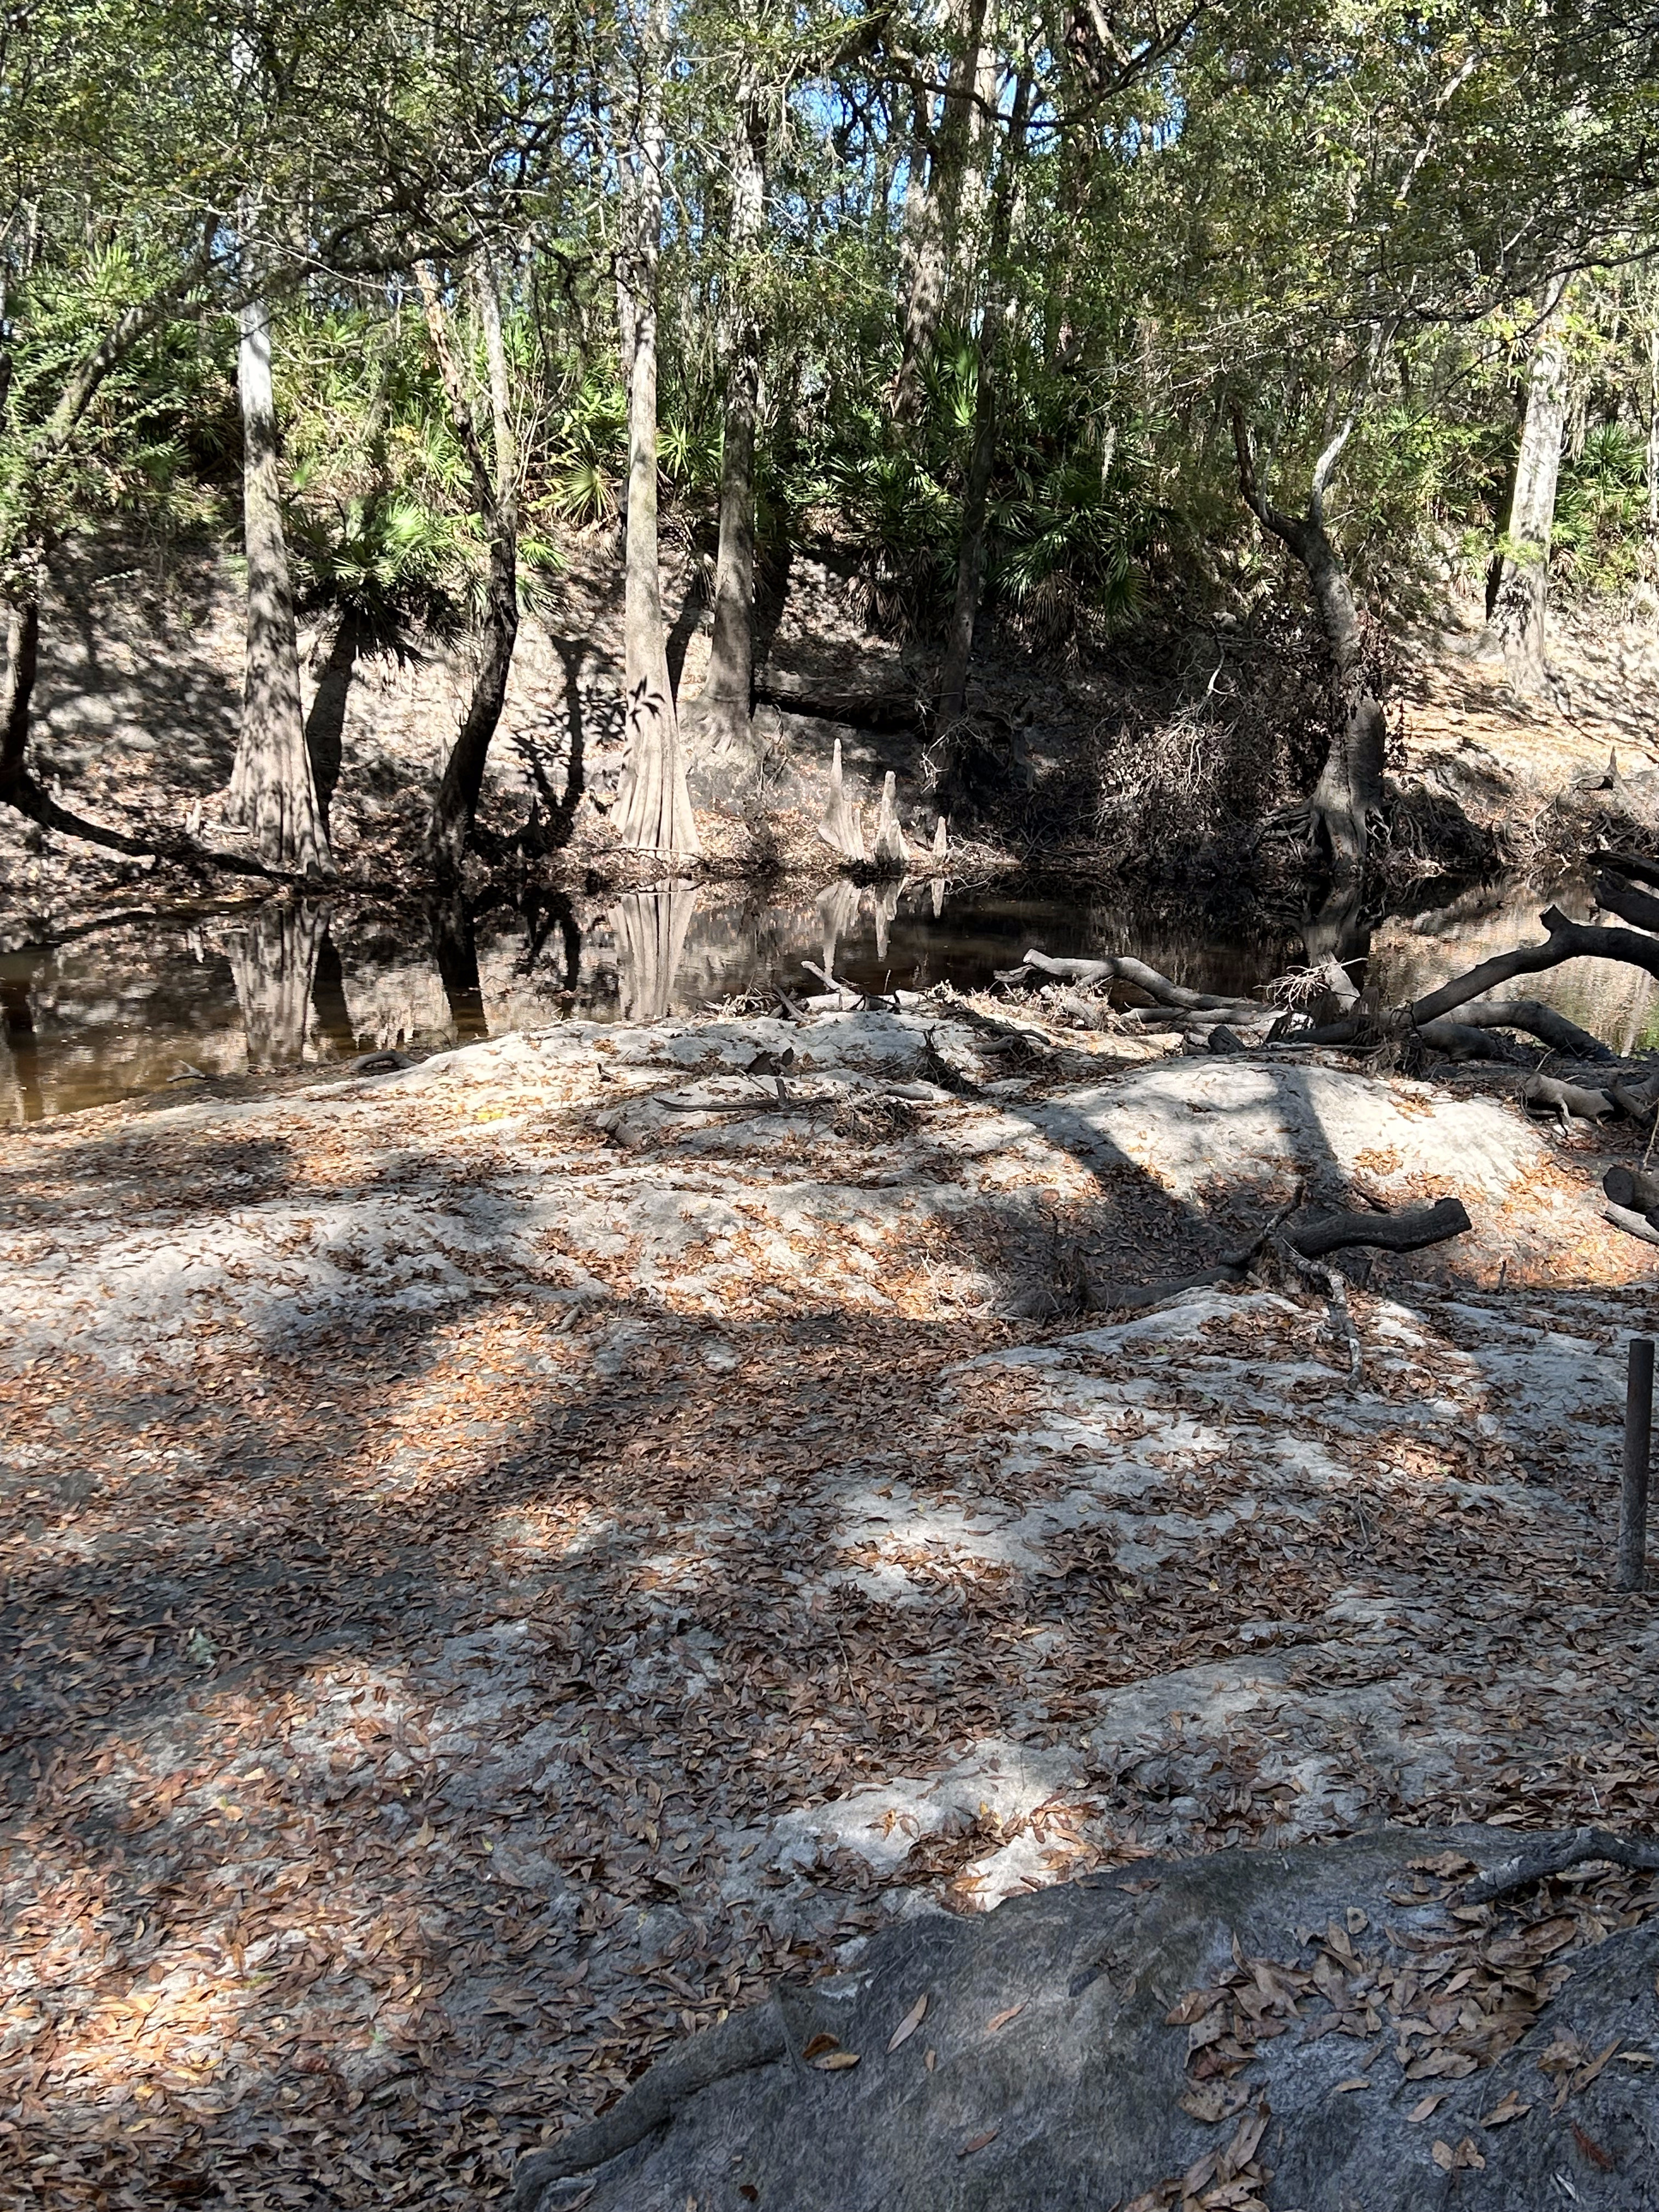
273,960
17,1016
650,929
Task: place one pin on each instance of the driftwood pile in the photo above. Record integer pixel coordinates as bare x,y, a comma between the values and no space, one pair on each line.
1458,1023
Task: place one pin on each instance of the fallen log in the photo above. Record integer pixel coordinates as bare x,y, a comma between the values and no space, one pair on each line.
1633,906
1551,1854
1635,1188
853,710
1635,1103
1120,968
1457,1040
1567,940
1410,1231
1547,1094
1635,866
1534,1019
1466,1041
1633,1224
1390,1232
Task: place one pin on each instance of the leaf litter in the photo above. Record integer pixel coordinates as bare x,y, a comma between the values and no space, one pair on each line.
476,1618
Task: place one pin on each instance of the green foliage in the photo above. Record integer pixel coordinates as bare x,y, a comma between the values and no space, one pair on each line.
1313,207
383,559
1599,541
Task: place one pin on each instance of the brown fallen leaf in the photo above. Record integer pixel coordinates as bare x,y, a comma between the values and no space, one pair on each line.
1001,2019
1191,2006
931,2061
1207,2102
836,2062
1592,2149
911,2022
1449,2160
978,2141
1449,1864
1242,2149
1509,2108
1424,2107
1353,2081
1586,2074
1450,2065
1358,1919
820,2043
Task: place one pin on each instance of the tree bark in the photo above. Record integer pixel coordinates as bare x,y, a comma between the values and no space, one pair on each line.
1516,626
728,687
451,829
1348,795
653,808
975,498
936,213
1636,907
22,665
272,791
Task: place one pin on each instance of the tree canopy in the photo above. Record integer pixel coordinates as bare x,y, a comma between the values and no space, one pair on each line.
1081,242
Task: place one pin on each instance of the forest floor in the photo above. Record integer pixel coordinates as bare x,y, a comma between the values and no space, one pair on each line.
506,1559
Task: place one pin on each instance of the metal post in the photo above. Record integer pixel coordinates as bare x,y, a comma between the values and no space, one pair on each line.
1634,1491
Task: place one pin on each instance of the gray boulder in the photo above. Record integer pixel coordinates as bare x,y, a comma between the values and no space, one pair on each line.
1404,2020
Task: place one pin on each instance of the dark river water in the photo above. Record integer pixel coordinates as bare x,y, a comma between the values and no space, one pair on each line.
122,1009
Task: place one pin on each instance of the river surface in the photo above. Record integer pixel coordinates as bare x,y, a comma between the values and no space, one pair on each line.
125,1007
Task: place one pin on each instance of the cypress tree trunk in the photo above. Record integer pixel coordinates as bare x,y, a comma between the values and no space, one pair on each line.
936,214
728,686
1348,795
272,792
454,811
1517,624
653,809
971,558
